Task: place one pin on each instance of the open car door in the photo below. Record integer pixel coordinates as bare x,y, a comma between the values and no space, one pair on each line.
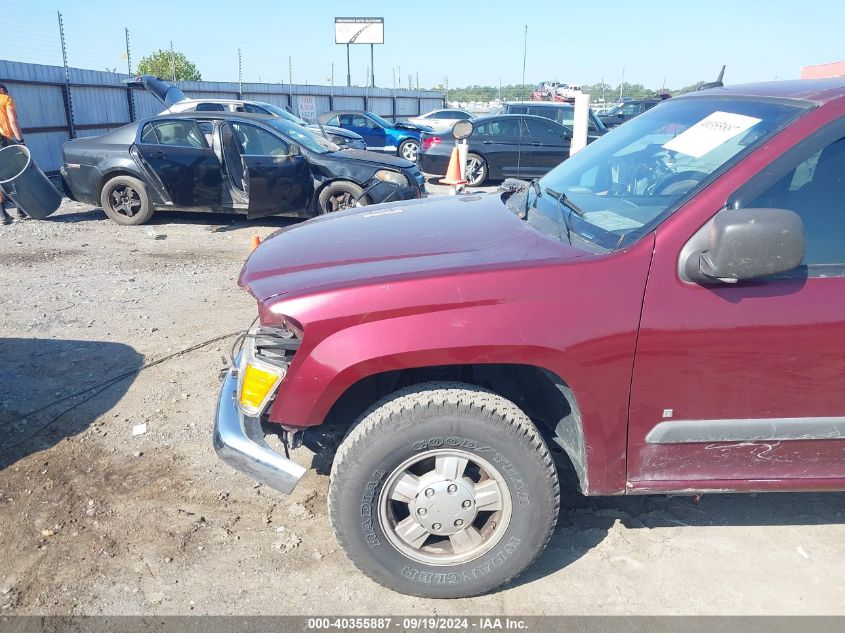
271,172
177,152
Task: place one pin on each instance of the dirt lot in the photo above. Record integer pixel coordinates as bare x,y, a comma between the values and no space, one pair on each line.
94,520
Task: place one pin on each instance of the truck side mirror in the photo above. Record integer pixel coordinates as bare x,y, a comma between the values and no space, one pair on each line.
748,244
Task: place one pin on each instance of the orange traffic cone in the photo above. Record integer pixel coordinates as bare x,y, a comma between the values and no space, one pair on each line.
453,172
255,242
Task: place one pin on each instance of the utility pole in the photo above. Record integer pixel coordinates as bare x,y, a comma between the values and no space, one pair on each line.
372,67
66,91
418,80
173,60
524,58
622,85
348,67
240,77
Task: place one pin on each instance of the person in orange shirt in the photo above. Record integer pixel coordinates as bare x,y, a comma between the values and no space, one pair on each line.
10,134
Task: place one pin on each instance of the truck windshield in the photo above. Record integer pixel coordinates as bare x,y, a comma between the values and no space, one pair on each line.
631,179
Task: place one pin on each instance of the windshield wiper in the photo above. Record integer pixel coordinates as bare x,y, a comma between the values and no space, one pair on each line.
535,185
562,200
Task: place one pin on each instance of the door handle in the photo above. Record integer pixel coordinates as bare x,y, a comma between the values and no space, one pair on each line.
487,142
536,144
155,155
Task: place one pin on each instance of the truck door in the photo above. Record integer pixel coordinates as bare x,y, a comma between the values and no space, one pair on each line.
741,385
262,166
177,152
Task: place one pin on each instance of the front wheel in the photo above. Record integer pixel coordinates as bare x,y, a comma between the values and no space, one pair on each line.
408,149
443,490
341,195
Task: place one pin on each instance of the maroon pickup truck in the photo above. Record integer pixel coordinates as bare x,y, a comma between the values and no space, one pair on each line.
664,312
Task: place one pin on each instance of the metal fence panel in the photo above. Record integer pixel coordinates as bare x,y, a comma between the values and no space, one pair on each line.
382,106
46,148
100,98
349,103
100,104
407,107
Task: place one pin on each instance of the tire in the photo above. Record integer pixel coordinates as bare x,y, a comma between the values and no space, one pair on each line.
125,200
408,149
426,431
476,172
341,195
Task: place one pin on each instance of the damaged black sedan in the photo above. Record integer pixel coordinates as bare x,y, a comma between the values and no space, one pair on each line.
229,162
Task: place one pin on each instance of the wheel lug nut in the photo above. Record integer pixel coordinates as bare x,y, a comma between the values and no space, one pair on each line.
458,522
466,503
436,526
429,492
452,488
422,512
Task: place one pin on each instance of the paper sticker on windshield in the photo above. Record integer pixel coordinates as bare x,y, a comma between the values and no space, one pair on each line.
610,221
709,133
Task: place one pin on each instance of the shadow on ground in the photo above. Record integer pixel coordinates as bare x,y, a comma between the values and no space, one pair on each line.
224,221
585,522
36,378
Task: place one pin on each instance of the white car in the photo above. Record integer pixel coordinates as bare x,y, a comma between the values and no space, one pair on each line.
443,119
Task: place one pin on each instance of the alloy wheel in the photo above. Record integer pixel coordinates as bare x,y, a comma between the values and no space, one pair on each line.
125,200
409,151
474,170
445,507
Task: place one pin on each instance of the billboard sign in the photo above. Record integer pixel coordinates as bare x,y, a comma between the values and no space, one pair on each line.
359,30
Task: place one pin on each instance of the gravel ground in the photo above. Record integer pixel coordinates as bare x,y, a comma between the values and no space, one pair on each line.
96,520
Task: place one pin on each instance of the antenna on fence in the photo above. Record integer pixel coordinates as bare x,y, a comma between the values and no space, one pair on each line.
66,90
240,77
129,96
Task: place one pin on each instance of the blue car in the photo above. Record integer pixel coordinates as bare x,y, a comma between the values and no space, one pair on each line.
401,138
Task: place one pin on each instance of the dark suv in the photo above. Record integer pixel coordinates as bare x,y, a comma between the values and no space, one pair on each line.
563,113
626,111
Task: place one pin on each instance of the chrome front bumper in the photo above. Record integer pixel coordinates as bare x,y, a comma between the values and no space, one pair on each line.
239,441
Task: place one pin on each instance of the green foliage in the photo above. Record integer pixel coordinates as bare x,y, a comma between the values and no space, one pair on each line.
161,64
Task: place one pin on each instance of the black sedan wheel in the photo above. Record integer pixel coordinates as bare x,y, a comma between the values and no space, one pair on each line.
125,200
341,195
476,172
408,150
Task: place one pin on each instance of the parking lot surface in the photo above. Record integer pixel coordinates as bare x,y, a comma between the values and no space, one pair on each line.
97,520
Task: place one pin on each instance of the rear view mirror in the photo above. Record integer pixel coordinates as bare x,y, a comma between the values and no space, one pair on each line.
294,150
748,244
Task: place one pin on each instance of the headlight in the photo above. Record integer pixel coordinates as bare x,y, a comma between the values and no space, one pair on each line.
395,177
259,377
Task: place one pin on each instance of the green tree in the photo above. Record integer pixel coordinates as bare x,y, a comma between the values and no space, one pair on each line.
166,64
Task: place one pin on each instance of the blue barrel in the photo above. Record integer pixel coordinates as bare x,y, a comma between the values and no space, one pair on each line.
27,186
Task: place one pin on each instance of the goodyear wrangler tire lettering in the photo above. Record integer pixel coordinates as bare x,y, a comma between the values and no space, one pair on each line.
495,477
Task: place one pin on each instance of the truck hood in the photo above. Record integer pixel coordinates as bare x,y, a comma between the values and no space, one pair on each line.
383,243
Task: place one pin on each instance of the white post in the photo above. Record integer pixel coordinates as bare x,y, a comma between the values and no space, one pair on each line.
462,158
579,127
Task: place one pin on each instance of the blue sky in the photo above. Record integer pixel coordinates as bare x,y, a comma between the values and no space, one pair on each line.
472,43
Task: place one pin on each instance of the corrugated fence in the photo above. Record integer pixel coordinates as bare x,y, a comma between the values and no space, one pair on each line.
52,110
